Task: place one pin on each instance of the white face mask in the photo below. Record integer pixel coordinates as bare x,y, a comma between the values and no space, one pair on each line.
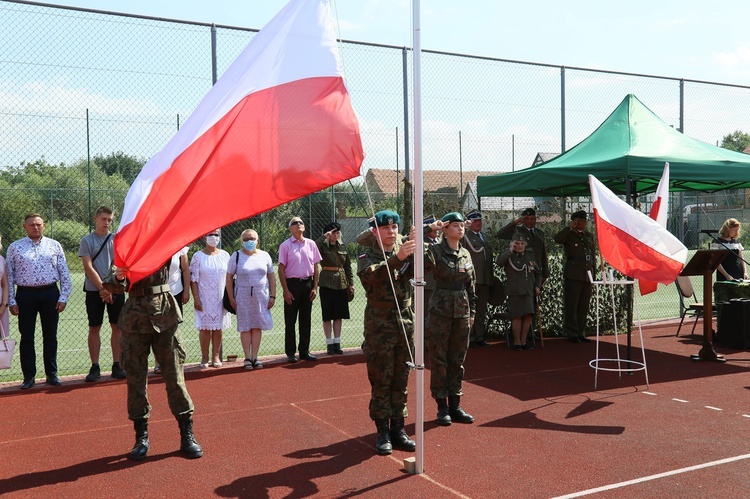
213,240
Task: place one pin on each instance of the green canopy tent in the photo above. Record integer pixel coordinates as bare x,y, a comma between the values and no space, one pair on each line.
632,143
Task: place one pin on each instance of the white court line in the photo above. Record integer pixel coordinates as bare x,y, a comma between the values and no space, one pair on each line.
746,415
713,408
649,393
655,477
680,400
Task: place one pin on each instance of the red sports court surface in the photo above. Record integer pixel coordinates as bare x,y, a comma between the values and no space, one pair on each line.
303,431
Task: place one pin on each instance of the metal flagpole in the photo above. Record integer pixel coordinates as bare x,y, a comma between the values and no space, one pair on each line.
419,239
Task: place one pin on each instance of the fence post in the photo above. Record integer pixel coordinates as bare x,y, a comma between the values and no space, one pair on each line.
88,163
562,109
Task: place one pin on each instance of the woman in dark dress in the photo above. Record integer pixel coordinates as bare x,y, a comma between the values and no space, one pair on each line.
732,267
524,280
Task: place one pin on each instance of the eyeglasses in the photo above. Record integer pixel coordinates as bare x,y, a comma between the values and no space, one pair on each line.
297,222
248,239
215,235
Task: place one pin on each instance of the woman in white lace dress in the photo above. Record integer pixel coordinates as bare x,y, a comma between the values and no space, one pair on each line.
208,270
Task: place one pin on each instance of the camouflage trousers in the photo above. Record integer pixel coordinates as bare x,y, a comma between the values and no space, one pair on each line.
170,354
387,352
449,339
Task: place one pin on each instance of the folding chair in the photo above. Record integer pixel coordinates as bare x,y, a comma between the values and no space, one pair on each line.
694,309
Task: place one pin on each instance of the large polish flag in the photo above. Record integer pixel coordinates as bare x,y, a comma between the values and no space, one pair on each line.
659,213
633,243
277,125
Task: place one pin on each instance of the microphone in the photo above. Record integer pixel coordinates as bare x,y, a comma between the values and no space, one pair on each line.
708,231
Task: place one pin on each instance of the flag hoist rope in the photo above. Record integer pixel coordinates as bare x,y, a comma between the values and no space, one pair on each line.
418,256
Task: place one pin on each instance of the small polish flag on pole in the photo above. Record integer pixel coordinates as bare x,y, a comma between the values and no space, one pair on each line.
633,243
658,212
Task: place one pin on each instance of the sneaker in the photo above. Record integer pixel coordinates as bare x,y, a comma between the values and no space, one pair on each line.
94,374
157,369
118,372
257,364
248,364
203,365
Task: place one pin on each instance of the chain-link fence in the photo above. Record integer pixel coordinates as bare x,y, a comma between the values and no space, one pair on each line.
88,96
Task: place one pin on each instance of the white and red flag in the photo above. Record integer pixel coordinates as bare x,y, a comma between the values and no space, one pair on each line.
659,213
633,243
276,126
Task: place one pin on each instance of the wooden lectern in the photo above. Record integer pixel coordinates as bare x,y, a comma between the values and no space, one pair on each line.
704,263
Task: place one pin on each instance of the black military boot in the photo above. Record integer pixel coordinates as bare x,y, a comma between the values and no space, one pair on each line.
141,447
457,414
329,349
399,439
443,415
383,444
188,445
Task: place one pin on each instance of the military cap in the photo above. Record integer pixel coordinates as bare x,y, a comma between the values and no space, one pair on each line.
385,217
331,226
579,215
453,216
518,237
474,215
429,220
528,212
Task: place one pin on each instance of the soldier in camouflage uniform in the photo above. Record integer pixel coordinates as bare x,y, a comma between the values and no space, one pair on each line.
149,321
386,348
450,313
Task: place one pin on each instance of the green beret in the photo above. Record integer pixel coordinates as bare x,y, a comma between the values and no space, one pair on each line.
385,217
453,216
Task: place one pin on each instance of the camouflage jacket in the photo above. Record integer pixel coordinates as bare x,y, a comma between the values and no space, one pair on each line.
160,308
455,280
373,273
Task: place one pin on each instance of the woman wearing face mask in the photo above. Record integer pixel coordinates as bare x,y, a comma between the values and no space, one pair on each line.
254,297
208,269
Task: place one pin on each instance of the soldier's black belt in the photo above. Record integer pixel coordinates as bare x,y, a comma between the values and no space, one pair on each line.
151,290
579,258
300,279
388,304
455,285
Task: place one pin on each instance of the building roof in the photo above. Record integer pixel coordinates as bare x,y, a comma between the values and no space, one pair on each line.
541,157
386,181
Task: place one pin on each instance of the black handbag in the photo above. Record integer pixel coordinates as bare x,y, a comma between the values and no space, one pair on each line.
227,304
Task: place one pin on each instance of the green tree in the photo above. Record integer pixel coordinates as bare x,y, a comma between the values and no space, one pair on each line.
736,141
128,167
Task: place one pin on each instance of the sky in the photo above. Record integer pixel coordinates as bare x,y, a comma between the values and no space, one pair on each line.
692,39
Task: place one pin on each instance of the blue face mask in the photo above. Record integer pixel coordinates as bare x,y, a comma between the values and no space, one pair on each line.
249,245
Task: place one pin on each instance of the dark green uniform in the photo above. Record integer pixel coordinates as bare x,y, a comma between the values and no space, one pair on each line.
385,347
580,258
452,304
480,250
149,321
535,242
